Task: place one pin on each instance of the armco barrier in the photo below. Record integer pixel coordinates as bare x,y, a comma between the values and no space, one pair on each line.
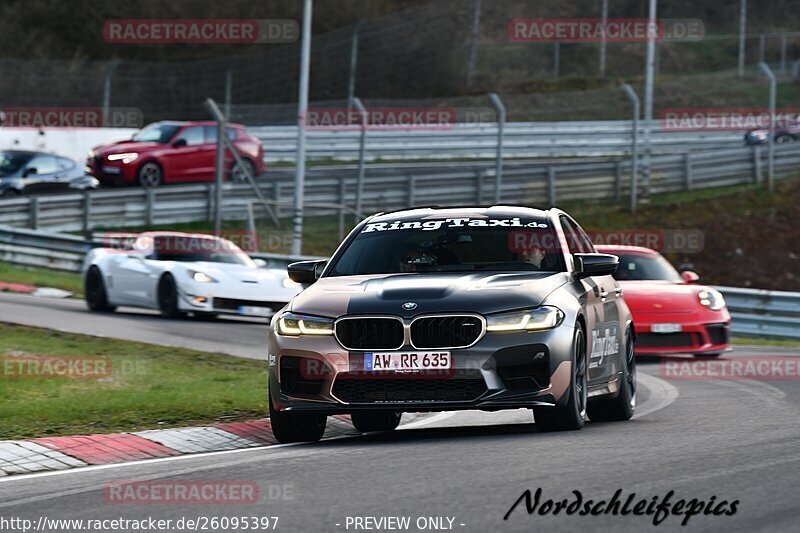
393,186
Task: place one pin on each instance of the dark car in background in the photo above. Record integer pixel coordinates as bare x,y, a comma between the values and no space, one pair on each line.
783,134
29,172
174,152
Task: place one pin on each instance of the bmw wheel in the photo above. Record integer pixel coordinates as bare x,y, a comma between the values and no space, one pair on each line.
571,415
376,421
623,406
149,174
296,427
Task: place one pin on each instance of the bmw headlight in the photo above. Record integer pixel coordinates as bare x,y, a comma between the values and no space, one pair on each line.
712,299
126,158
544,317
201,277
293,324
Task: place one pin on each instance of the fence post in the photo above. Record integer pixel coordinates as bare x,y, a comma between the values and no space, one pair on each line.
771,137
556,59
795,69
277,197
757,171
351,83
473,42
618,181
551,185
501,124
148,213
634,145
87,212
783,54
412,190
687,169
107,91
762,46
210,202
34,212
228,93
342,200
362,154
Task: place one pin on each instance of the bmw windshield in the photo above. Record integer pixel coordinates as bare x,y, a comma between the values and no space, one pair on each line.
451,245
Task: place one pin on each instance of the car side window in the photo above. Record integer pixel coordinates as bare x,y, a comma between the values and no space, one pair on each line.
193,136
211,134
64,164
571,234
44,164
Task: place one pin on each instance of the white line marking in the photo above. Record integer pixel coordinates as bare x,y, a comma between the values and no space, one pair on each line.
662,394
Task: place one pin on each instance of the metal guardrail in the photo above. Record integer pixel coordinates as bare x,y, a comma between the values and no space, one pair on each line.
390,187
609,138
763,313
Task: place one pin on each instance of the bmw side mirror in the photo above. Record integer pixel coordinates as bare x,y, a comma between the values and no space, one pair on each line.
587,265
180,143
689,276
306,272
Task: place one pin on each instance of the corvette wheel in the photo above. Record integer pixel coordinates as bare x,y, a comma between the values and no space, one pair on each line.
572,415
149,175
296,427
623,406
168,297
95,290
377,421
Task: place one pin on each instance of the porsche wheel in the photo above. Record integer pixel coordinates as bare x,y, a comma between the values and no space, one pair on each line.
623,406
571,415
377,421
95,290
296,427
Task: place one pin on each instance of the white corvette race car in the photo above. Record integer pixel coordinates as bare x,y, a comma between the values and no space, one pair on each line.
179,273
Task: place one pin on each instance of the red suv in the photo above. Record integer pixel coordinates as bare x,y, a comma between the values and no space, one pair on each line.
173,152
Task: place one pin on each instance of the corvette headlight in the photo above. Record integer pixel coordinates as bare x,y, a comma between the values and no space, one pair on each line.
293,324
544,317
126,158
712,299
201,277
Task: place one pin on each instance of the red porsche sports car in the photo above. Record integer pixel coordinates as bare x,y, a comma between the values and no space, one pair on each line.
671,312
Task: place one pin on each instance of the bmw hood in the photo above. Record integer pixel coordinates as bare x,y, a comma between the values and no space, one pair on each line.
427,293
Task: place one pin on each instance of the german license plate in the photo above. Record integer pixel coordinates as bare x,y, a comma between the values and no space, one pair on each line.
374,361
665,328
249,310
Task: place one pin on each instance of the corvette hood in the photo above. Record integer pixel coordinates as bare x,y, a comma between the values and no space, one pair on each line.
660,296
433,293
232,273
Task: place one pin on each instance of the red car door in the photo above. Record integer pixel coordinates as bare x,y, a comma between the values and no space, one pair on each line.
187,159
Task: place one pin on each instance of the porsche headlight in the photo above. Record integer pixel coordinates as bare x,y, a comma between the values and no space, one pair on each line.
201,277
128,157
712,299
293,324
544,317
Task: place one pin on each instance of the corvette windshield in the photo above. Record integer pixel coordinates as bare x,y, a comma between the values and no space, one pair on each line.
10,162
192,248
452,245
160,133
634,267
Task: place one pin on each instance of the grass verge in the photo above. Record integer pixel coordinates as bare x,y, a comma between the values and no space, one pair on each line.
145,386
42,277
